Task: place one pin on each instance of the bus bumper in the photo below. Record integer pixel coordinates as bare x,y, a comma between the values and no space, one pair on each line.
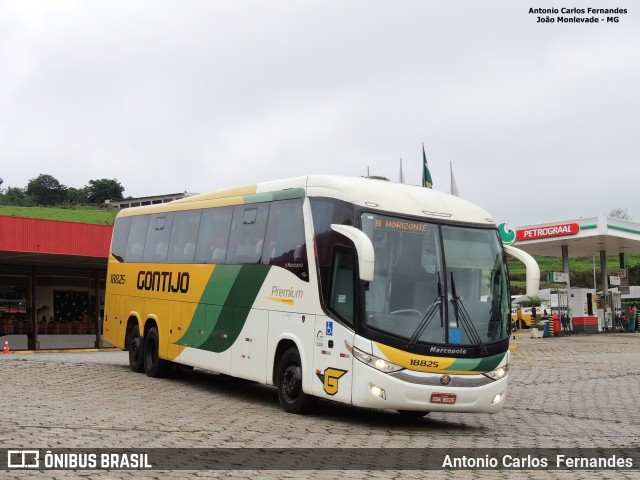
375,389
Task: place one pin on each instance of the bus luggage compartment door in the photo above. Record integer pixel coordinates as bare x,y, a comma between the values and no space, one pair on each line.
249,351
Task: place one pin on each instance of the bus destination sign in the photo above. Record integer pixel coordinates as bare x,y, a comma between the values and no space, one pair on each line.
401,225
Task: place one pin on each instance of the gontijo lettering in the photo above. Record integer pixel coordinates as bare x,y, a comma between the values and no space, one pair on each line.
163,281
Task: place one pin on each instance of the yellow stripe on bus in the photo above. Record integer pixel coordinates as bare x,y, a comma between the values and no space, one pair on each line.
412,361
286,301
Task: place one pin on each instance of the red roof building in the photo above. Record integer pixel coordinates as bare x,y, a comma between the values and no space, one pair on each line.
52,276
38,236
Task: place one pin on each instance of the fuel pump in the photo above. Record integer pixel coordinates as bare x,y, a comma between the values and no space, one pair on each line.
560,310
583,303
615,305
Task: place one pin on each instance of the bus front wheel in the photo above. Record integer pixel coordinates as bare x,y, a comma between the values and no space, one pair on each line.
154,366
135,348
289,382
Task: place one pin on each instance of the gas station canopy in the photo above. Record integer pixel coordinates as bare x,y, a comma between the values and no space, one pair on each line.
584,237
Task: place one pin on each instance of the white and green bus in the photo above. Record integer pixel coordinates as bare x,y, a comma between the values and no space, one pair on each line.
356,290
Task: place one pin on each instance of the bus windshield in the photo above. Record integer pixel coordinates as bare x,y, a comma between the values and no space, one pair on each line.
436,284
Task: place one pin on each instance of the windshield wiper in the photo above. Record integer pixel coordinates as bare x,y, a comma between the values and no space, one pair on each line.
462,317
496,318
428,316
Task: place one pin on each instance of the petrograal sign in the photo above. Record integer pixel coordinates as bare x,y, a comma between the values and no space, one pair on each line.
535,233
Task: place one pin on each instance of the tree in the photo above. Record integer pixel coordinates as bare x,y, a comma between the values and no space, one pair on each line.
46,190
532,302
76,196
621,213
14,196
634,274
103,189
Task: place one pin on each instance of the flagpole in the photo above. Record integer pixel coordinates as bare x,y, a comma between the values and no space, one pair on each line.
454,185
426,175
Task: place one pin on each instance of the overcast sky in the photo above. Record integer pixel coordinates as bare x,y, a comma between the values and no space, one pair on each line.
540,121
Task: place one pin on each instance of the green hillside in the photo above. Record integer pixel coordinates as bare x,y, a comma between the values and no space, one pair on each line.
581,269
98,216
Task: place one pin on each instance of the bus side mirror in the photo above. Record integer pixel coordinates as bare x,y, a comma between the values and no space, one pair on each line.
364,249
533,270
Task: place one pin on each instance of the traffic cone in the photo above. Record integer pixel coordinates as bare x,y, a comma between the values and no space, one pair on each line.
6,347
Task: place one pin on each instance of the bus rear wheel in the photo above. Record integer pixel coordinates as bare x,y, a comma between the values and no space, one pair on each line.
135,348
289,383
154,366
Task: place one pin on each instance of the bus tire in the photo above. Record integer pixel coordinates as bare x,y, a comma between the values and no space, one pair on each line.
135,347
289,383
154,366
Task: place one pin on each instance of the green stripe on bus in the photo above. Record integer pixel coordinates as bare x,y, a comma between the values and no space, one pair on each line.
224,307
273,196
215,294
247,285
477,364
220,284
490,363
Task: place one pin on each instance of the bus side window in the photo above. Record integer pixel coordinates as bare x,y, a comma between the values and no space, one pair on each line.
247,233
343,286
157,241
326,211
183,233
137,235
120,235
214,235
284,244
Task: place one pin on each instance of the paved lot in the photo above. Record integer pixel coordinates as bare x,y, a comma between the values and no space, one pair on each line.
577,391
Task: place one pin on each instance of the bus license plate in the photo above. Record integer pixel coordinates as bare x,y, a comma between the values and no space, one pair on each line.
445,398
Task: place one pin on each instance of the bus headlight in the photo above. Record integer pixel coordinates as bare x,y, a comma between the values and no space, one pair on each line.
373,361
378,392
498,373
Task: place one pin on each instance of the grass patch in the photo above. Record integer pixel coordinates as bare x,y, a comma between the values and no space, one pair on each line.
581,271
96,216
581,264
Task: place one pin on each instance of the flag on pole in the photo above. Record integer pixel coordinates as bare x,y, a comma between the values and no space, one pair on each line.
454,186
401,173
426,176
